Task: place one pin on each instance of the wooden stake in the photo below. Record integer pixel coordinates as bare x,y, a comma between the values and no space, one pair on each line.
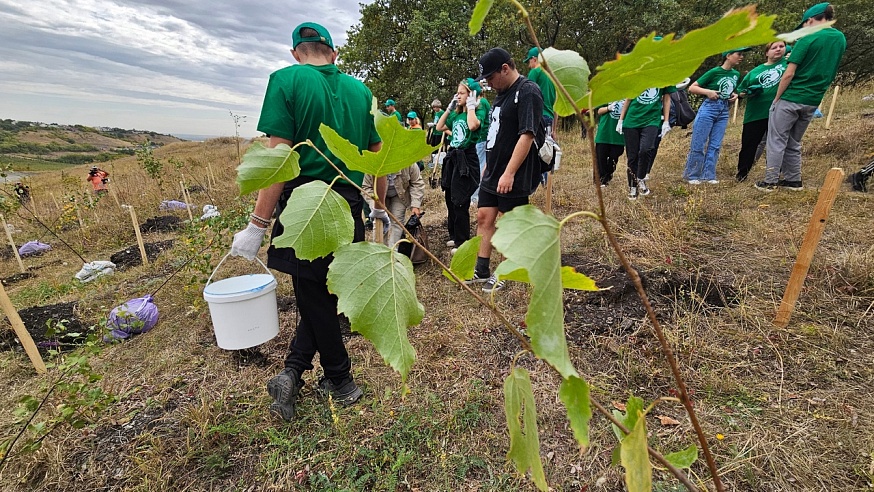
734,113
548,207
55,200
114,195
133,218
211,177
12,243
79,216
185,198
21,331
378,236
831,107
833,181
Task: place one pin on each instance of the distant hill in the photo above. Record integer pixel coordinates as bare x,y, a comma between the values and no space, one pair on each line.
38,144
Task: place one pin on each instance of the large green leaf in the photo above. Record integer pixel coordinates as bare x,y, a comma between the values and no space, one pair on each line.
684,458
574,393
635,459
573,72
400,147
316,221
464,260
480,11
508,270
376,289
666,62
262,167
633,410
522,424
530,239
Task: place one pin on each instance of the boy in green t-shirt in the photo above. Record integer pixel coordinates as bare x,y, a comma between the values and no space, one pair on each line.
639,123
609,145
298,100
391,110
547,89
812,67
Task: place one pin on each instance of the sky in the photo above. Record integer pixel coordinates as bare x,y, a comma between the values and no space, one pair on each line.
169,66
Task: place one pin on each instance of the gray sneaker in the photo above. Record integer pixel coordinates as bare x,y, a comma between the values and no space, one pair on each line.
345,393
284,388
493,285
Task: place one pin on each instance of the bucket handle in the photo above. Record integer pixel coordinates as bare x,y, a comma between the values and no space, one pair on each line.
225,258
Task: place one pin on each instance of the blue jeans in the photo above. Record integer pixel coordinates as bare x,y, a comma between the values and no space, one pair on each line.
481,155
708,129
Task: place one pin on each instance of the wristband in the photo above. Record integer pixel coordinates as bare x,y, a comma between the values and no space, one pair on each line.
260,220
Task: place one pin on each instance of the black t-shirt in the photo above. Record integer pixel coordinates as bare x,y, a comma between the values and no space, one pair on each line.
516,111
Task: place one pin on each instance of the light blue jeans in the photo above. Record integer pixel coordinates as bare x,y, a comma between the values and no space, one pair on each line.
708,129
481,155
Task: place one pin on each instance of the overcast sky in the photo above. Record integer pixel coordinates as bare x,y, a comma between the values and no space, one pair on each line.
169,66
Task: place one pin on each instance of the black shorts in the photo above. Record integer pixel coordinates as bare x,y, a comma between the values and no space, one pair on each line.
504,204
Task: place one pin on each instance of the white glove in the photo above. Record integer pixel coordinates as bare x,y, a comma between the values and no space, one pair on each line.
619,126
472,101
666,127
430,124
378,213
453,103
248,241
611,106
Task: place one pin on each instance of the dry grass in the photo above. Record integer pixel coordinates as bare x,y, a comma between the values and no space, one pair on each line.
792,405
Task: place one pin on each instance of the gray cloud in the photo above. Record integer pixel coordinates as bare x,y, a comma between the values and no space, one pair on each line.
163,65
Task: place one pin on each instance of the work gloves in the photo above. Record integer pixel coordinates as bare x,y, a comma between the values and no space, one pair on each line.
248,241
452,104
380,214
619,126
666,127
472,101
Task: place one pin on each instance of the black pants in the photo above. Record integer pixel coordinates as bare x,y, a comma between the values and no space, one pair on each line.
650,159
608,156
639,143
749,142
458,221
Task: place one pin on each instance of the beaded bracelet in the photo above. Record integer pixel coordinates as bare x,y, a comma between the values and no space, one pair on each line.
260,220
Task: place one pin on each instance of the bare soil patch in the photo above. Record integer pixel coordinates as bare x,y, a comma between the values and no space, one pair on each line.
161,223
131,257
37,320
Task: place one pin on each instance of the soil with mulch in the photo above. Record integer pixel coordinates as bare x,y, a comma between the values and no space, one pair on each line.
18,277
617,306
130,256
161,223
6,252
37,320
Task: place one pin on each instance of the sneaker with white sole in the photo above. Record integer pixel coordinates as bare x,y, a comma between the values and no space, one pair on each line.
345,392
790,185
632,193
642,189
713,181
284,388
477,279
493,285
694,181
453,251
765,186
450,244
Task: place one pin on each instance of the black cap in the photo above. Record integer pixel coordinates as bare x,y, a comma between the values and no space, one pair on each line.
492,61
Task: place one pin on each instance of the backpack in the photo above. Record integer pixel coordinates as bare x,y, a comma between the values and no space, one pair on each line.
681,111
417,230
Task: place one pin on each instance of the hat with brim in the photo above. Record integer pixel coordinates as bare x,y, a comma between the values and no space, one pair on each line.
532,53
412,114
323,36
492,61
739,50
472,85
812,12
389,102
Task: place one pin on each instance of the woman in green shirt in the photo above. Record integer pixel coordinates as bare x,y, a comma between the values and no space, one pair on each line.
758,89
717,85
460,176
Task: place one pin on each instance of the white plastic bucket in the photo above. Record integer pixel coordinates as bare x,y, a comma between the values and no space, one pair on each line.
243,309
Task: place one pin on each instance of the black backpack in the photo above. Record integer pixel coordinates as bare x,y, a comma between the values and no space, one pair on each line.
681,111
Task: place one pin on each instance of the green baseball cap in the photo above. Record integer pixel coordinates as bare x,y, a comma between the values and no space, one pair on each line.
412,114
738,50
532,53
813,12
323,37
472,85
389,102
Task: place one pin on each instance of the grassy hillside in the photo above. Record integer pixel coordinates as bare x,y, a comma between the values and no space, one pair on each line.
785,409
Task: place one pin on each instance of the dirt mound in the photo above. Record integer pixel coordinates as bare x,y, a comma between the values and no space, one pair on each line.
130,256
38,319
161,223
18,277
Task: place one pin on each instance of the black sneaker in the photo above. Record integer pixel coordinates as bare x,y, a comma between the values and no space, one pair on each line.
345,393
790,185
859,182
284,388
493,285
765,186
741,179
477,278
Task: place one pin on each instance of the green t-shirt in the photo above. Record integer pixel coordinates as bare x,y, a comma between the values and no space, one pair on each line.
546,88
758,103
299,98
437,116
646,109
606,133
462,137
483,131
720,80
817,56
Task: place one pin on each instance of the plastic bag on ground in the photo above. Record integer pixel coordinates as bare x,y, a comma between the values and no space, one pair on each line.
32,248
94,269
172,205
135,316
209,211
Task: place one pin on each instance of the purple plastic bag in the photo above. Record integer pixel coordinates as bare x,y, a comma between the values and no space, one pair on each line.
134,316
172,205
31,248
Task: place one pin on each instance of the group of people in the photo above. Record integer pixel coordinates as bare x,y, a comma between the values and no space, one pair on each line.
493,150
782,96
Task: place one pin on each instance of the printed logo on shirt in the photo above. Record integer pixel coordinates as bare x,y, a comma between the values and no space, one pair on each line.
617,109
494,126
649,96
770,78
726,86
459,132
